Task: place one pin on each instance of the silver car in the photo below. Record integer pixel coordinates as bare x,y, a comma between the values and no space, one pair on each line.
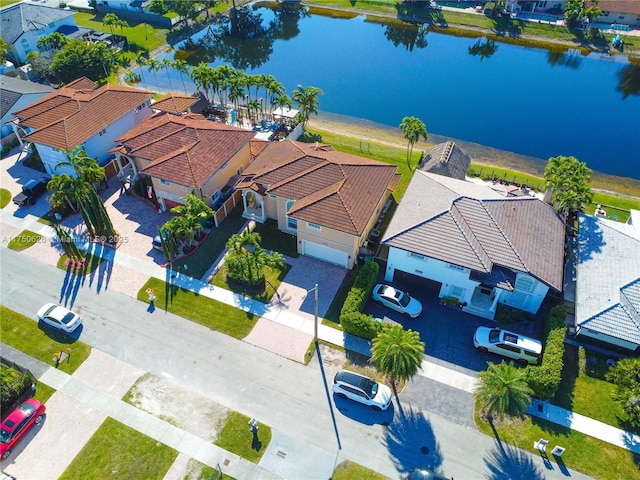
58,317
397,300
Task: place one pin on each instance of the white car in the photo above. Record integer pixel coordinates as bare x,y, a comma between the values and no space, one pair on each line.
59,317
397,300
362,389
523,350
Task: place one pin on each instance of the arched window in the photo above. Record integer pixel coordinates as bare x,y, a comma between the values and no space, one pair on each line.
292,223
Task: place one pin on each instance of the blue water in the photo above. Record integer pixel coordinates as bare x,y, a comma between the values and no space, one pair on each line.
524,100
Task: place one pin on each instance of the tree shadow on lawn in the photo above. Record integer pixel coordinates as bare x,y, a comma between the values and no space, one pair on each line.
506,462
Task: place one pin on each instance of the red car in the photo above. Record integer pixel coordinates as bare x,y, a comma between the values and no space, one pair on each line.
18,423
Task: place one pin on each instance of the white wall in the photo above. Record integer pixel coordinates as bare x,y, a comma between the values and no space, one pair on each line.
532,297
431,269
27,41
606,338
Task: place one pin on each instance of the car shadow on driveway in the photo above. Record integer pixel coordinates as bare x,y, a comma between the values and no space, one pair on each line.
410,441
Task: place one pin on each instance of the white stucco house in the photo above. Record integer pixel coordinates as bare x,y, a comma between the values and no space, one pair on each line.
81,114
24,23
608,281
17,93
482,247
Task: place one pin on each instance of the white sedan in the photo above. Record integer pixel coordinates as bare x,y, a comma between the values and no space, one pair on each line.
59,317
397,300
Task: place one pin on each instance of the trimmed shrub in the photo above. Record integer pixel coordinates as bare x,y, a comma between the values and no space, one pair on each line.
544,379
351,318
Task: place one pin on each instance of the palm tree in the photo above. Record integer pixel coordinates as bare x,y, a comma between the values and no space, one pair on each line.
503,390
182,67
569,181
167,64
307,100
254,107
201,76
412,128
111,20
246,259
154,65
142,61
398,353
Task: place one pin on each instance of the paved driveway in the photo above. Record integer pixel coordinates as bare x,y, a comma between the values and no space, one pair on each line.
446,331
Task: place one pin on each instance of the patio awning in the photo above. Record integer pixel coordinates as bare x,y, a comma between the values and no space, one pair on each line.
498,277
285,112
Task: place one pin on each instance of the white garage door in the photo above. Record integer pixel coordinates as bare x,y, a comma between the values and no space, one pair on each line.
322,252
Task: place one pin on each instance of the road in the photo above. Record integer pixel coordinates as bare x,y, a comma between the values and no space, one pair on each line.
288,396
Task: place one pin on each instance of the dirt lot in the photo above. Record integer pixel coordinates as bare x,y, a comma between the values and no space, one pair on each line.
170,402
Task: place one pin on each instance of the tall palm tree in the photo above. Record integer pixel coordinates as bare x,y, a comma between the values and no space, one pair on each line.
182,67
307,100
412,128
503,390
398,353
569,181
247,260
154,65
167,64
201,76
111,20
254,108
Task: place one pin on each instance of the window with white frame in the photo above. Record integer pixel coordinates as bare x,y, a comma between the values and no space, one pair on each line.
416,256
292,223
314,226
455,267
525,284
166,183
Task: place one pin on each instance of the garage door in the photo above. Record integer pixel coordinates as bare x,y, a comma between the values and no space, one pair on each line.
322,252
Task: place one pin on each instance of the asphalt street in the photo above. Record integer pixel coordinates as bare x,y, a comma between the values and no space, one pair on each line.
421,431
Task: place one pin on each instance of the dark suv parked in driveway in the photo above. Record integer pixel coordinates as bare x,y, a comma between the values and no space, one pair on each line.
31,191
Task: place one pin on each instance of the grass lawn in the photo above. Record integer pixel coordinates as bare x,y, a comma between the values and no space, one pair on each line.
116,451
585,391
586,454
5,197
205,472
352,471
201,260
24,240
43,392
91,264
236,437
274,239
24,334
200,309
273,277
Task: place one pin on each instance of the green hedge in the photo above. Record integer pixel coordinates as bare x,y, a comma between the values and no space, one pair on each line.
544,379
351,318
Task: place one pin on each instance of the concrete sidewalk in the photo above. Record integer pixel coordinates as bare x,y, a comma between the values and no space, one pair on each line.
102,401
283,316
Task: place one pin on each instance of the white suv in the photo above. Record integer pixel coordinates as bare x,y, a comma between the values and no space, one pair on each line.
362,389
523,350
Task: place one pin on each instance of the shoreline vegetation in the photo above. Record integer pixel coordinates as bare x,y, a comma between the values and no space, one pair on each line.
484,156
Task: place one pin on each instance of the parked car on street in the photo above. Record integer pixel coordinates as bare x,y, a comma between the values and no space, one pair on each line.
362,389
18,423
59,317
523,350
424,474
397,300
31,191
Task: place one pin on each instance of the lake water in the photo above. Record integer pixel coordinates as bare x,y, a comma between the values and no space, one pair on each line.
525,100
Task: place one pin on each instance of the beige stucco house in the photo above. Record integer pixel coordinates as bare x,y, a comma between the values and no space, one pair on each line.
183,154
328,199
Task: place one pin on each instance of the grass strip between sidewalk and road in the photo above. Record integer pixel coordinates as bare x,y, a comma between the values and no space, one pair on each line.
24,240
42,343
200,309
237,437
118,451
352,471
583,453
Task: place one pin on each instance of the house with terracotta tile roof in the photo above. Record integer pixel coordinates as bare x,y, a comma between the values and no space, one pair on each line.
81,114
608,281
481,247
329,200
183,154
24,23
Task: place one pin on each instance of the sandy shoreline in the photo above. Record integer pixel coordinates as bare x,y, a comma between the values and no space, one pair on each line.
383,134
